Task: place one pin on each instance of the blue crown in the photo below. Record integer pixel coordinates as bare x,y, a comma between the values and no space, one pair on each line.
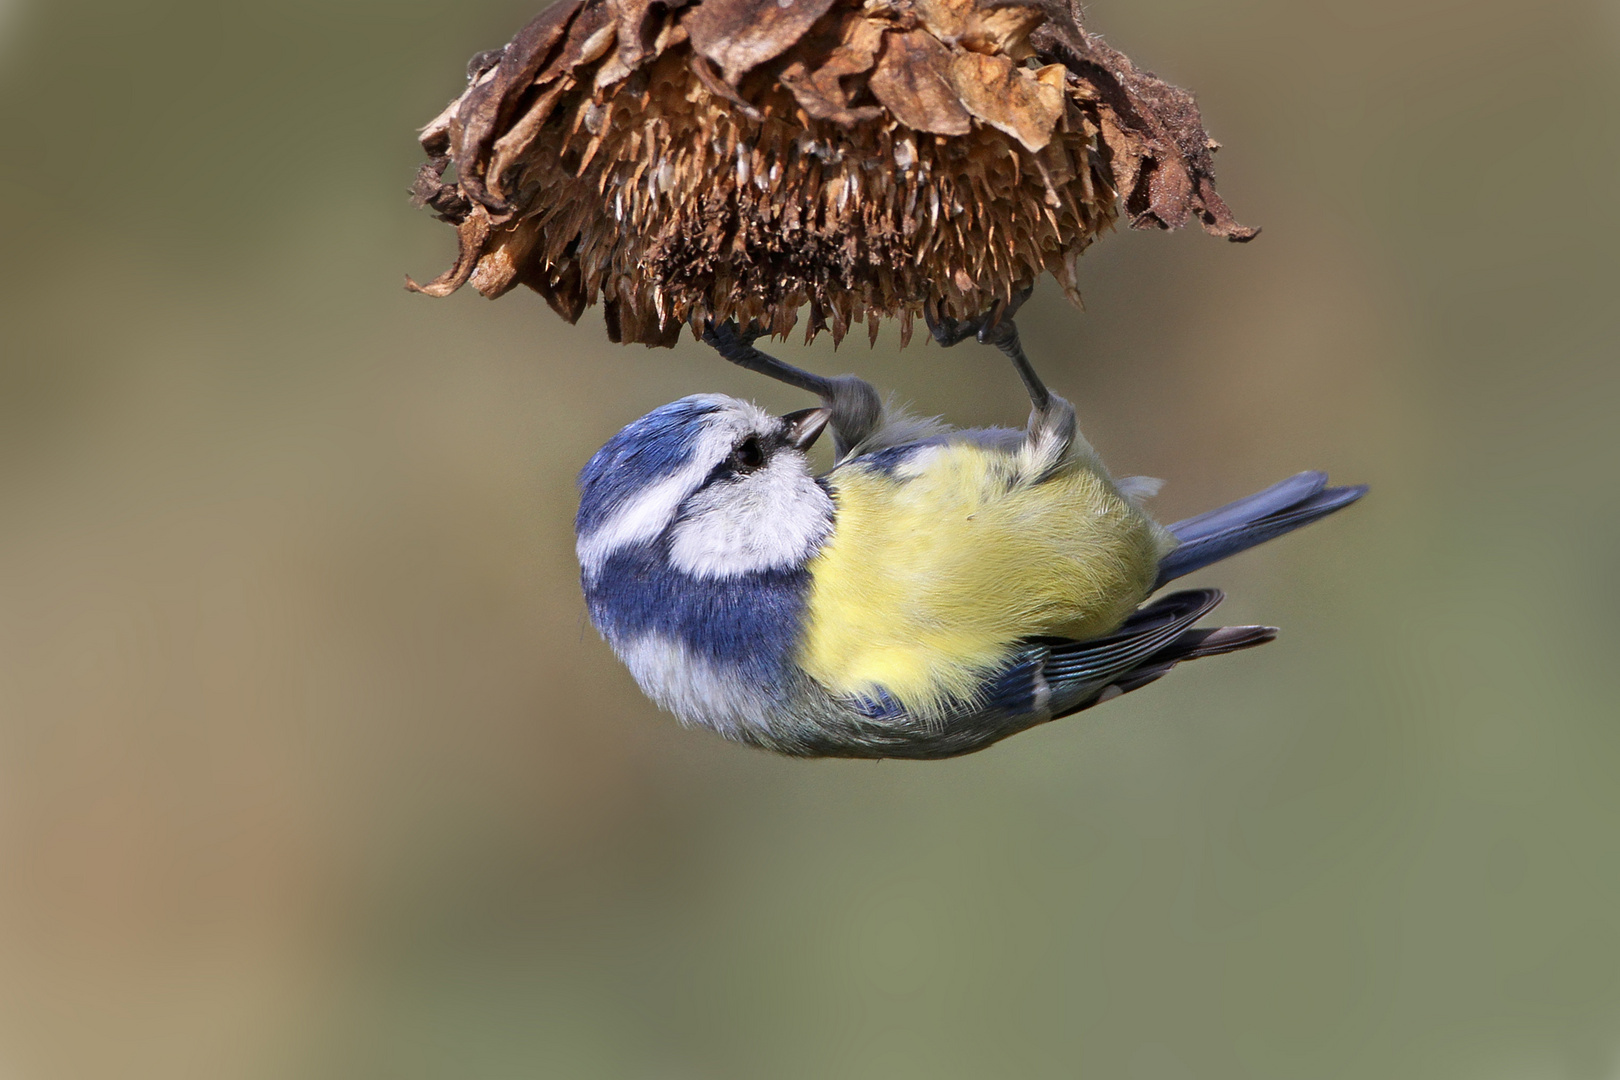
643,453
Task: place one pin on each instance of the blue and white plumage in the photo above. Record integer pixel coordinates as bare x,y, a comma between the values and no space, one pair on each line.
938,590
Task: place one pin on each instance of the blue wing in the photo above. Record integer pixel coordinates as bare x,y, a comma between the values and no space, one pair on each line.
1053,677
1067,676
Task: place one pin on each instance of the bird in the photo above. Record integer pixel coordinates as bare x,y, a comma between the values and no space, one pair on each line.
936,591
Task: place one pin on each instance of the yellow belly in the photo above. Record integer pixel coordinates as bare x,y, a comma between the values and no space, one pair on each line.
933,574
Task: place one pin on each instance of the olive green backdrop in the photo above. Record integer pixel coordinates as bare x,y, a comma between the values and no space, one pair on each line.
310,765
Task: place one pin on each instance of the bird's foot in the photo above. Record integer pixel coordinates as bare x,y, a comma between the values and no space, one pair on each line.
856,409
996,327
985,328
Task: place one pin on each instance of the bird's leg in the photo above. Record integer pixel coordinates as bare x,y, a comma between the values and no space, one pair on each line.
738,347
1052,417
855,408
994,327
1004,336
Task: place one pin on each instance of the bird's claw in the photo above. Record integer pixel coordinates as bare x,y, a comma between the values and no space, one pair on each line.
729,331
946,330
991,328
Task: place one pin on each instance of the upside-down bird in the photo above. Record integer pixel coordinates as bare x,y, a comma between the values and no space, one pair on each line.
934,592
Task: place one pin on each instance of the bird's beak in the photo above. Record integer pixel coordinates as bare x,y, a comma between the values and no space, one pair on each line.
802,427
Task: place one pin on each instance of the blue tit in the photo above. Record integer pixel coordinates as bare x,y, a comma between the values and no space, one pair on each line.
936,591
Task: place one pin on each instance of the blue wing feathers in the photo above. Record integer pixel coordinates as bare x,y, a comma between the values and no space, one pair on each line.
1063,676
1143,634
1054,677
1018,689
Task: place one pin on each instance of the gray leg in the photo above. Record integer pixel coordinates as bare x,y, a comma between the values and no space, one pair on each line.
738,347
856,409
1004,336
995,327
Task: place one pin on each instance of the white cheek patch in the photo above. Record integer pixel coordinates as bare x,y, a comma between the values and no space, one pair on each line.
638,520
650,511
772,519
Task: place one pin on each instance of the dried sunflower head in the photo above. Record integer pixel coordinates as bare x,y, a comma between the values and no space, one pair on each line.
746,159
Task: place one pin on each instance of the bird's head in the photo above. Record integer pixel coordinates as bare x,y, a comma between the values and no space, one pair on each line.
723,487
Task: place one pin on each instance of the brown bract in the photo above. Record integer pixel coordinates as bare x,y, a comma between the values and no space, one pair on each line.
751,159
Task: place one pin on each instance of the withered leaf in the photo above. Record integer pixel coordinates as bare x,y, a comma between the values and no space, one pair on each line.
703,68
562,287
1159,152
1002,30
505,253
944,20
978,26
851,50
739,35
912,80
637,32
470,234
432,192
594,30
1008,97
492,99
856,49
510,146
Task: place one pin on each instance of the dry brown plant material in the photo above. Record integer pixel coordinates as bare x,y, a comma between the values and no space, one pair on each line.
749,159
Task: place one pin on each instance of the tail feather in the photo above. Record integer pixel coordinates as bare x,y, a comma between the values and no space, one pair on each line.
1194,645
1265,515
1279,496
1160,636
1217,641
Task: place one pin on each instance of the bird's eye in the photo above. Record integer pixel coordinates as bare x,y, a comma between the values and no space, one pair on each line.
749,454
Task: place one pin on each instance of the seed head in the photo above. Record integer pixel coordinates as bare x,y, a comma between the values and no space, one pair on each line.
749,159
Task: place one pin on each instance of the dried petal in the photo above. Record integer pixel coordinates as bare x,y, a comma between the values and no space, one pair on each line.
1007,97
739,35
1000,30
702,67
851,51
593,31
980,26
637,35
505,253
912,80
564,290
471,233
512,145
1153,137
493,98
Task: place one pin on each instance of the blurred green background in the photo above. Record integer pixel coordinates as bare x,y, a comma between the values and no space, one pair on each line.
310,765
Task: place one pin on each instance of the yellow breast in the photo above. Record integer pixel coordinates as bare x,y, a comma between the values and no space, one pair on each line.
933,573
